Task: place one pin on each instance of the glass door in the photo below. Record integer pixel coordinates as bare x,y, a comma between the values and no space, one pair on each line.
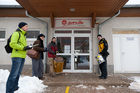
81,53
64,48
75,48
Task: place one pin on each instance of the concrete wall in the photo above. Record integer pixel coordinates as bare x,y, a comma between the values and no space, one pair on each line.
10,24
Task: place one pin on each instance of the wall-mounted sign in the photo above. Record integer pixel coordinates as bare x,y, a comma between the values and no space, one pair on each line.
70,23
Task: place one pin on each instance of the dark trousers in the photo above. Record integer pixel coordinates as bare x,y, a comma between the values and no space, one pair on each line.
103,67
37,68
12,82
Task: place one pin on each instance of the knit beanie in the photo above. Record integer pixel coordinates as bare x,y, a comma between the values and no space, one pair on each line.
22,24
99,35
40,35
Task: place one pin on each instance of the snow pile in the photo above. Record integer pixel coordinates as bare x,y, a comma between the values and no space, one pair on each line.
30,85
99,87
3,78
26,84
81,86
135,84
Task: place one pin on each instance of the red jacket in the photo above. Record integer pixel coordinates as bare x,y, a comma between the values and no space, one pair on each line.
52,48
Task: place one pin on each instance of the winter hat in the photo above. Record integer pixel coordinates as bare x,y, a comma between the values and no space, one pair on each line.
40,35
22,24
99,35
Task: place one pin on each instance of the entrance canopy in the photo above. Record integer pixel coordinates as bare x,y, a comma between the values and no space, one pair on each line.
72,8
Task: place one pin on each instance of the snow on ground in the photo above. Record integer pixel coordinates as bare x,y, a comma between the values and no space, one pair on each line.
135,84
27,84
99,87
81,86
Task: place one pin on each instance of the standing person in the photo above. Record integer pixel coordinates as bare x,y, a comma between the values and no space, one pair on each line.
103,47
19,45
52,48
37,64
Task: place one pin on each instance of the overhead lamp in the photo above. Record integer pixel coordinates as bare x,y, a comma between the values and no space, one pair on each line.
72,9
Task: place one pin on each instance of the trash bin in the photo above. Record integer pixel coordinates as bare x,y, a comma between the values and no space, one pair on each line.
58,64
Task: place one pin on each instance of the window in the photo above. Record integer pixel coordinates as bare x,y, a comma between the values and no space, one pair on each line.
2,34
82,31
63,31
32,34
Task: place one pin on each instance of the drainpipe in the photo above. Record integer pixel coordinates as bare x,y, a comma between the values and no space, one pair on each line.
100,25
46,35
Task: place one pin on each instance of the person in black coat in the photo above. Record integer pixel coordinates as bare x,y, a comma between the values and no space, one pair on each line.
103,47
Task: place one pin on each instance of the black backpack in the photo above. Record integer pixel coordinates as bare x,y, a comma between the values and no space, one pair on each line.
7,47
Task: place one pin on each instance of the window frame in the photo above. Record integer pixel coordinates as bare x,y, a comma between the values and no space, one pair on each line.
3,39
32,39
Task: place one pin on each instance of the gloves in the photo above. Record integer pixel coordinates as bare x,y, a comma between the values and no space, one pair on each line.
27,47
45,49
100,53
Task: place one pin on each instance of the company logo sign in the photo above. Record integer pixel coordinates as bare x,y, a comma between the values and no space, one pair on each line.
72,23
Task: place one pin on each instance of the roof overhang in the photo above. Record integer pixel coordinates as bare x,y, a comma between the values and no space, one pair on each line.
72,8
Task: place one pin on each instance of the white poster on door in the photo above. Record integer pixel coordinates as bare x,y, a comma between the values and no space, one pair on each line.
67,49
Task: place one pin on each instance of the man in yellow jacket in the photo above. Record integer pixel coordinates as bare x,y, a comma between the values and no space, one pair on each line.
103,47
19,45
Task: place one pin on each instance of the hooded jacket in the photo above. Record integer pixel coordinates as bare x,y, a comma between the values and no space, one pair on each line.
18,46
52,48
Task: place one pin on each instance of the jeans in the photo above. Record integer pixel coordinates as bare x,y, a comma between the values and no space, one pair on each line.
12,82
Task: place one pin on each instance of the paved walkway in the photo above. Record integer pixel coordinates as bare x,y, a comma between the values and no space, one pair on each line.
83,83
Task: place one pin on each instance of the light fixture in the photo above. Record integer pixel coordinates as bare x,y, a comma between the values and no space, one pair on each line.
72,9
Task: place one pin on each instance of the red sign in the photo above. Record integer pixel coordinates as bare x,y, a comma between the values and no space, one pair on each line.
72,23
66,22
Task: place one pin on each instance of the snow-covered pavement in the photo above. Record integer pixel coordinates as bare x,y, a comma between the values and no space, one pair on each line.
135,85
78,83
